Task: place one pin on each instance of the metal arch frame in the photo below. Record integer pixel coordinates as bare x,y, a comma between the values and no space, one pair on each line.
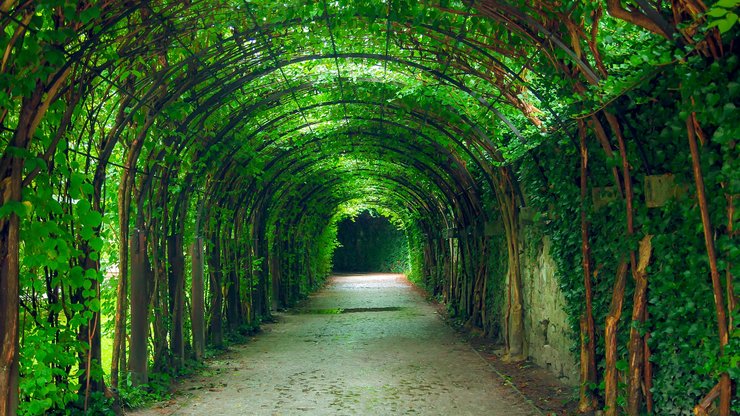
213,100
292,169
450,195
270,193
429,140
431,214
533,25
238,85
436,126
446,186
298,168
219,47
160,76
322,194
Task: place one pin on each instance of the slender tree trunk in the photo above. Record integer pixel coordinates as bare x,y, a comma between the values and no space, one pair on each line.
627,178
11,171
233,305
89,333
119,334
125,188
515,325
216,288
309,270
249,289
731,300
588,333
477,317
139,309
725,386
449,271
158,298
648,371
636,346
610,339
611,389
274,269
177,301
608,151
10,292
105,149
516,316
258,288
197,300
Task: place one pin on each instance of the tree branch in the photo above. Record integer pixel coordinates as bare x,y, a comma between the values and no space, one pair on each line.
614,7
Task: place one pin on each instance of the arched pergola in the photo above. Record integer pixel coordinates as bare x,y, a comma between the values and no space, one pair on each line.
174,171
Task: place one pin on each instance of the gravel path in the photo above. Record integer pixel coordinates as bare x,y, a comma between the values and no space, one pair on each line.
364,345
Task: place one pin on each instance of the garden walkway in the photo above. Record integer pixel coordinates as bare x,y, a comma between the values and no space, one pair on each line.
363,345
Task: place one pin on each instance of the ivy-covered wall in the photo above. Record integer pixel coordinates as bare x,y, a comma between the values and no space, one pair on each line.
681,328
549,338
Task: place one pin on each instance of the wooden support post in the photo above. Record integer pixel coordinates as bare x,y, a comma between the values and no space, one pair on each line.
636,347
725,386
138,356
90,334
515,310
197,300
701,409
588,332
216,330
610,339
615,310
177,298
274,272
233,304
9,295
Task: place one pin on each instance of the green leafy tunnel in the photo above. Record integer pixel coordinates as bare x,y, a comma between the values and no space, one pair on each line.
174,171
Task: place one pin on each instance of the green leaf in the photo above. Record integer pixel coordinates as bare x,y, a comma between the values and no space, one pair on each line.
76,277
87,233
91,219
91,274
96,243
14,207
716,12
87,189
89,14
727,23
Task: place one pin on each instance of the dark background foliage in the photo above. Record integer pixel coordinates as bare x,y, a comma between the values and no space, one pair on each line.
370,243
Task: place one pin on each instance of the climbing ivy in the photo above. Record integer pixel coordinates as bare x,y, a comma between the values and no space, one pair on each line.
685,355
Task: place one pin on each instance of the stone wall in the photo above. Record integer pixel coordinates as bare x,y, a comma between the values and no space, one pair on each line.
548,336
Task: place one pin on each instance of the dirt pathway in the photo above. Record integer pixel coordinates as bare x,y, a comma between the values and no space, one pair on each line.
364,345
